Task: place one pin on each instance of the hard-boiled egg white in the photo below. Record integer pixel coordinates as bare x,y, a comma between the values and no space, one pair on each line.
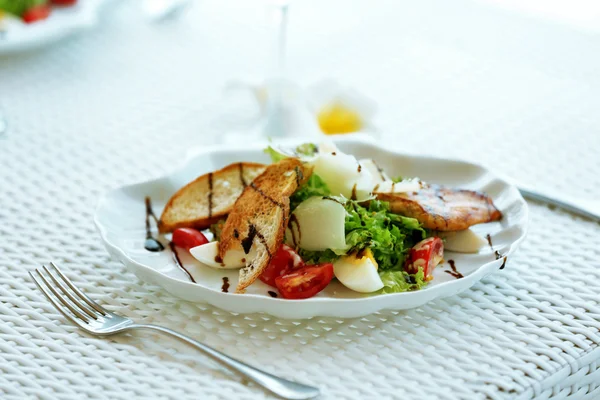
343,175
207,255
465,241
358,273
317,224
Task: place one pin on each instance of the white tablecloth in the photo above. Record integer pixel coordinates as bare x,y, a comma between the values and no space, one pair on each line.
123,102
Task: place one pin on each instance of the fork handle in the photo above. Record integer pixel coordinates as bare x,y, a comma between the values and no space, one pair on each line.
279,386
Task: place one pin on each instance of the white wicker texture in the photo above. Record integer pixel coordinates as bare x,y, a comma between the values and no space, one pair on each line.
86,116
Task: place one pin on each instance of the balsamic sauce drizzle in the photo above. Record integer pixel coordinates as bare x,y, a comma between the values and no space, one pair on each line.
353,197
241,168
210,194
272,293
264,242
299,176
151,243
225,287
247,241
380,170
263,194
454,271
496,253
333,199
177,261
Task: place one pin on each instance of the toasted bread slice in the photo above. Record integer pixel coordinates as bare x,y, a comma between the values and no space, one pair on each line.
208,198
259,217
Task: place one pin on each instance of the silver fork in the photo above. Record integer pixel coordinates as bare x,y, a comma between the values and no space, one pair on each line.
96,320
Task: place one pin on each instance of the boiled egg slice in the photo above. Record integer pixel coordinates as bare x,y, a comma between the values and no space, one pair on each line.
358,272
207,254
465,241
318,224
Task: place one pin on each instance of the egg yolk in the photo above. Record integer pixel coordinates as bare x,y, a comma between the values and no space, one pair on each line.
336,118
365,254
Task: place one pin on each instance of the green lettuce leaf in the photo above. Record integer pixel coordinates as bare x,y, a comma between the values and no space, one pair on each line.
274,154
389,236
318,257
314,186
400,281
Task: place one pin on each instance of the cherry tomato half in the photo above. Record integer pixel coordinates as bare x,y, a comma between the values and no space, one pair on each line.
36,13
304,282
284,261
426,254
186,238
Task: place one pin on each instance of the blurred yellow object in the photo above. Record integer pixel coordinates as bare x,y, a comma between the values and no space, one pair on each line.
336,118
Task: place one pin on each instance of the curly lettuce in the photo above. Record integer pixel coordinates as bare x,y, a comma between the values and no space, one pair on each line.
389,236
400,281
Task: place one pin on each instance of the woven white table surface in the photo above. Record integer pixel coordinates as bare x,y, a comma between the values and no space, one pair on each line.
123,103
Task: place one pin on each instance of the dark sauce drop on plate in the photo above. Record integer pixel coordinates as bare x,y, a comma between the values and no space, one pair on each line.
151,243
272,293
177,261
496,253
225,287
454,271
503,263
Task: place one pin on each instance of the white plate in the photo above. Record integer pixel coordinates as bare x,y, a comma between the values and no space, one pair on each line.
62,22
120,217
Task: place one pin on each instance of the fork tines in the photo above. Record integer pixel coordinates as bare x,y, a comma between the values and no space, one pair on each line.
62,293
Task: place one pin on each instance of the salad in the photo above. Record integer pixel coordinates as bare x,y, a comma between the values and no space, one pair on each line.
317,214
31,10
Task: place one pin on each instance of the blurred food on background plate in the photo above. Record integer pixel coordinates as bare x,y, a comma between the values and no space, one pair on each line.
30,11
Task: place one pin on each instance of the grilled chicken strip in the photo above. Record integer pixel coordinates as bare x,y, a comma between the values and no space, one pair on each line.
443,209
